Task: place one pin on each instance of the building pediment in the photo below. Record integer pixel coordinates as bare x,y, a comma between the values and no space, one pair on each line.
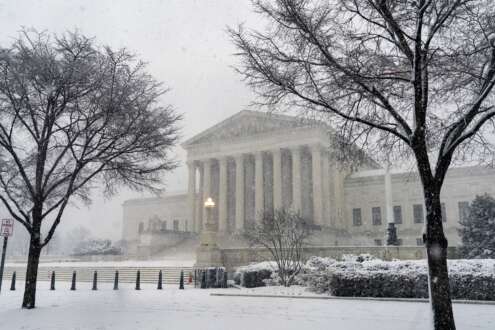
248,123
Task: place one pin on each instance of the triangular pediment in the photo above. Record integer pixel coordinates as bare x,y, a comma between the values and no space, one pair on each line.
247,123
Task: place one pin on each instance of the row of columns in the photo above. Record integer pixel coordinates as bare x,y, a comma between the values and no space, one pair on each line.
319,167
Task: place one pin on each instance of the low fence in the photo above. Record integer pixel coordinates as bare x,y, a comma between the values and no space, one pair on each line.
171,275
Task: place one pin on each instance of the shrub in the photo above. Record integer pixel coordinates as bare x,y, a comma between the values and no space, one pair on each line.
254,275
96,247
365,277
378,284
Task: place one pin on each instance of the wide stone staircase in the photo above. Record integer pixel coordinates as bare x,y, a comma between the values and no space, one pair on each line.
127,274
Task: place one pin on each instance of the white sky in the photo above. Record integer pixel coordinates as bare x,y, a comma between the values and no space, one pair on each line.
187,47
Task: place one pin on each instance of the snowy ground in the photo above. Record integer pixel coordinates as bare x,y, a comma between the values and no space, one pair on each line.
195,309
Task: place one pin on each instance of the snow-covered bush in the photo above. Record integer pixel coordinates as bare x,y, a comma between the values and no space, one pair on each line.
370,277
255,274
378,284
96,247
366,276
284,233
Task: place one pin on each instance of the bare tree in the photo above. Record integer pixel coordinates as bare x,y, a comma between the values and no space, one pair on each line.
284,234
409,78
73,115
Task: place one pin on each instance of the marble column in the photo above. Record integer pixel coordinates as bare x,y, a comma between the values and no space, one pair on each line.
191,196
327,218
277,179
258,185
207,165
317,186
296,179
239,193
388,195
200,199
222,195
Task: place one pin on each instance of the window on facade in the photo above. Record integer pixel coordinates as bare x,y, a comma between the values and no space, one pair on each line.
397,214
141,227
376,215
418,213
399,241
463,210
419,242
164,225
176,225
378,242
356,217
444,213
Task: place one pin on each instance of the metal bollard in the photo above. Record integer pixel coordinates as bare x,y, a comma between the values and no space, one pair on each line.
203,279
95,281
225,279
73,285
116,280
138,280
52,281
160,278
181,282
12,284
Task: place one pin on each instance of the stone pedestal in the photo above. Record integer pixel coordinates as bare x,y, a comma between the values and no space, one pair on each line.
208,257
208,254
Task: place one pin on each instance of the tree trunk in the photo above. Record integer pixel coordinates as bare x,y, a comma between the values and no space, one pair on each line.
436,248
32,272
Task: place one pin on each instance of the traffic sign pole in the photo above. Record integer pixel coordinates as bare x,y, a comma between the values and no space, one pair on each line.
5,240
6,230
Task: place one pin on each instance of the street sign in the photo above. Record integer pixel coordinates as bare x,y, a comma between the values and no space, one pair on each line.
7,228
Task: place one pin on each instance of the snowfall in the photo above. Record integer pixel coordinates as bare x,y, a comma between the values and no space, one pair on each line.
192,308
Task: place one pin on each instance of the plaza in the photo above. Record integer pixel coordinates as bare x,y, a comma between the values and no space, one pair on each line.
171,308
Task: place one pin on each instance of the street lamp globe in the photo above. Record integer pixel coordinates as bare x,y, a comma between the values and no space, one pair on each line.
209,203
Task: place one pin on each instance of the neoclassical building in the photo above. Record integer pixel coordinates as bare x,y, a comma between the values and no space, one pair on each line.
254,162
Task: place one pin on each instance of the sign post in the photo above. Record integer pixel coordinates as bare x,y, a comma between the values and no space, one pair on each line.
6,230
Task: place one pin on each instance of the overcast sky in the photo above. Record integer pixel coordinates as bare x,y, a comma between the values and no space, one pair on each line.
187,47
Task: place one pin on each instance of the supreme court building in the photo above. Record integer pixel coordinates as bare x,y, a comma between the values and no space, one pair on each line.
254,161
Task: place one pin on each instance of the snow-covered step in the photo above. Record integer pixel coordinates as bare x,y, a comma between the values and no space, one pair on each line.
170,275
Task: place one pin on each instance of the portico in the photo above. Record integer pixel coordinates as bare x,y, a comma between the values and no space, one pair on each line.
252,163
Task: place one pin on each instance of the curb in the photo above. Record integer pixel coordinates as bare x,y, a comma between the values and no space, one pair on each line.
422,300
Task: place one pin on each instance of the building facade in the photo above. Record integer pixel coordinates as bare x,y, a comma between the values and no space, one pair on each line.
254,162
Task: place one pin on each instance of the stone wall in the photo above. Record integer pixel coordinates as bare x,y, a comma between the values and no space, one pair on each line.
152,243
365,190
242,256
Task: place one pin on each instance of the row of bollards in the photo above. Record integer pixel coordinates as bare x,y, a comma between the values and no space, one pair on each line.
115,281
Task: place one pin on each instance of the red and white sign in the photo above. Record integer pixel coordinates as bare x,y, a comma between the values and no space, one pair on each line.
7,228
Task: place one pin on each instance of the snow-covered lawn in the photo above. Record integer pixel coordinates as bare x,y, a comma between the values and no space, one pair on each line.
195,309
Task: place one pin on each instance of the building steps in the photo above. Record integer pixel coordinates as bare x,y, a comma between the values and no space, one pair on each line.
170,275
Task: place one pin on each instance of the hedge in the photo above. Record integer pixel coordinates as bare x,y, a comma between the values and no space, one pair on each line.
254,275
469,279
366,276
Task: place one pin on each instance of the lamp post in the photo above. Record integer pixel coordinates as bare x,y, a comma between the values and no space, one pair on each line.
210,224
208,253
